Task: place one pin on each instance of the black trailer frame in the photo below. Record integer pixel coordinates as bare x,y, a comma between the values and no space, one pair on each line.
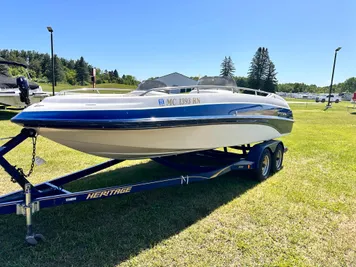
262,159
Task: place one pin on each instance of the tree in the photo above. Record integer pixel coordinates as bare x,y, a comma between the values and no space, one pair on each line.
4,69
241,81
111,76
35,66
258,68
71,64
71,76
81,68
116,75
227,67
46,66
59,74
349,85
270,83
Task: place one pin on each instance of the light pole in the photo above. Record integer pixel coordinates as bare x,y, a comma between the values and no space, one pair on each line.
51,31
332,77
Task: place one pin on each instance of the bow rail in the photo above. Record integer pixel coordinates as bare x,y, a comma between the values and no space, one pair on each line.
169,89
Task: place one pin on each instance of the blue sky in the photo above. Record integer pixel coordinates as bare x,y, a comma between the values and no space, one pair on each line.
154,38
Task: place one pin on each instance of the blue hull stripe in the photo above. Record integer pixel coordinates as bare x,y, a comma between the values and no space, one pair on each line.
184,111
278,118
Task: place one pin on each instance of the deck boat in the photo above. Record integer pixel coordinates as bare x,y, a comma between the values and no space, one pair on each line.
18,92
152,122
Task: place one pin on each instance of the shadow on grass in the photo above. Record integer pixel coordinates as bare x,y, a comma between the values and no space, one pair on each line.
109,231
6,115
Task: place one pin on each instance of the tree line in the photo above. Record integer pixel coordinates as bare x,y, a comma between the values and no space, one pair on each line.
262,75
66,71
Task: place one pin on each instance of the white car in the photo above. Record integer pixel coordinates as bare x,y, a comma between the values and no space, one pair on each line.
325,98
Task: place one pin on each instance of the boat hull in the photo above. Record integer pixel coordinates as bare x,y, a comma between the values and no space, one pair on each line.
15,101
151,143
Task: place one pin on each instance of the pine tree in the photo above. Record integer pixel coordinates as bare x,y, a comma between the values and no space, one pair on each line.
270,83
227,67
46,66
116,75
4,70
59,74
82,71
241,81
259,68
35,65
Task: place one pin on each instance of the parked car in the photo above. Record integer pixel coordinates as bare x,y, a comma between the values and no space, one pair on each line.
325,98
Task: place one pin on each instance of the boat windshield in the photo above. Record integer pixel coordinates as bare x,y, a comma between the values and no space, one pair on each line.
217,80
150,84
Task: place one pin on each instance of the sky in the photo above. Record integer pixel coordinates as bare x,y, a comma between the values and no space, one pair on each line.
153,38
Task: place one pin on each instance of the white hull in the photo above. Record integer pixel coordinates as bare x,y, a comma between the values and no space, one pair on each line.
14,99
137,144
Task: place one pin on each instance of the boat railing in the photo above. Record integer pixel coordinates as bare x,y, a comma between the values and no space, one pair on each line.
170,89
234,89
96,90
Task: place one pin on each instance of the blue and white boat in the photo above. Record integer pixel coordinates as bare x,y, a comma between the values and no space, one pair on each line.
152,122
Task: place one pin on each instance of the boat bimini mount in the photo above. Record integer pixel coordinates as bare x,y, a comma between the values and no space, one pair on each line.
261,159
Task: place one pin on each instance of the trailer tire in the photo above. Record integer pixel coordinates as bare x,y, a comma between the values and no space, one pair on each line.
337,101
264,166
277,158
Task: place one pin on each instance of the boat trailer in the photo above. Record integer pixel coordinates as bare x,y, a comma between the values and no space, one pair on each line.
261,159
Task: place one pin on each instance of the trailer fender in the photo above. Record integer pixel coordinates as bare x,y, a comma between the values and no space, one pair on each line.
256,151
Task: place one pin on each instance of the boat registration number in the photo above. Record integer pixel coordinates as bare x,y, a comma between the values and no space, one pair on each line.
179,101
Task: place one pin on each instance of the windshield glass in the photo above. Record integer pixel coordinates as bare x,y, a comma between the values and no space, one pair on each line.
217,80
150,84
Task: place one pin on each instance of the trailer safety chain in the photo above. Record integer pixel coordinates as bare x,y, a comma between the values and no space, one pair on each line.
20,170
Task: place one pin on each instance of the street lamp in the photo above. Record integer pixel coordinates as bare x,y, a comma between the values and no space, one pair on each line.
332,77
51,31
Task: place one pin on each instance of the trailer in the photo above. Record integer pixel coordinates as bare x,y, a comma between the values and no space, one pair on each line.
260,160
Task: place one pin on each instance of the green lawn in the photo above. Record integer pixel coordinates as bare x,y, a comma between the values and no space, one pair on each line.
48,86
305,215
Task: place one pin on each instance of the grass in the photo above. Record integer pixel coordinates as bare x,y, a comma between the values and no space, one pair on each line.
302,216
48,87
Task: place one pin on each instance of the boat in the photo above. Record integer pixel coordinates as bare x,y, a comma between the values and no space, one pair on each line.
151,122
19,92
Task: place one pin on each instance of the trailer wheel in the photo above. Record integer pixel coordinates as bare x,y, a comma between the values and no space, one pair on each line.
277,158
337,101
264,168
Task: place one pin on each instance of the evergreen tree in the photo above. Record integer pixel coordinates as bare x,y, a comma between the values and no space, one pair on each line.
59,75
35,66
4,70
270,83
116,75
241,81
111,77
46,66
258,69
81,68
227,67
71,64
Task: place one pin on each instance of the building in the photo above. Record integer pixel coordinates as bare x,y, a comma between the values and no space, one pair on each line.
176,79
